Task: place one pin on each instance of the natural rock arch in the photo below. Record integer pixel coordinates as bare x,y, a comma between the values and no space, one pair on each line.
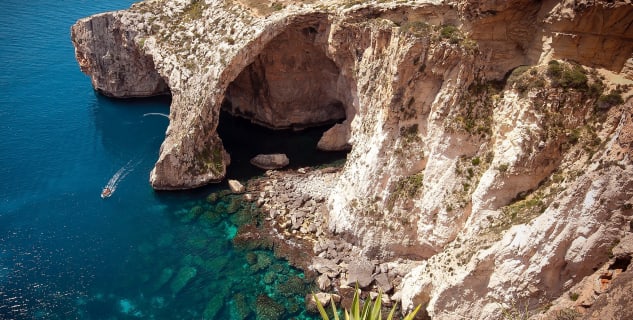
291,82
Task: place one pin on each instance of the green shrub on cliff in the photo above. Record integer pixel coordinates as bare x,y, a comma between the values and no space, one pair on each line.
369,311
607,101
416,28
525,78
565,77
554,69
451,33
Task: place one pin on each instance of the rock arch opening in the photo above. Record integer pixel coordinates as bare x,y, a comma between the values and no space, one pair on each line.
291,85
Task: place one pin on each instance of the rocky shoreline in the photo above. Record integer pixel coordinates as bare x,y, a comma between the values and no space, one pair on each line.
485,144
293,223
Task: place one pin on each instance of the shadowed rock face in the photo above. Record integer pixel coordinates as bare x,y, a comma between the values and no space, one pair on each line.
596,34
291,83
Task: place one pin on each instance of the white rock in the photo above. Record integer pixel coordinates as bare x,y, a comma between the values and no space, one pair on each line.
236,186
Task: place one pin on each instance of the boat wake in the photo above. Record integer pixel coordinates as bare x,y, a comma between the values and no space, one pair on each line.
118,176
156,114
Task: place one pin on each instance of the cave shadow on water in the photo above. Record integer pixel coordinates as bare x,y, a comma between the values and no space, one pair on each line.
244,140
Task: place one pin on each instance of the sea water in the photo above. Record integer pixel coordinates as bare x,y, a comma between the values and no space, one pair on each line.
66,253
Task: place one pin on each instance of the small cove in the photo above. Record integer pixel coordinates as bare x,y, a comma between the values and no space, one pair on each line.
65,253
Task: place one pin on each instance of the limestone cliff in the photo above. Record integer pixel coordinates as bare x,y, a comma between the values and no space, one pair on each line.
488,141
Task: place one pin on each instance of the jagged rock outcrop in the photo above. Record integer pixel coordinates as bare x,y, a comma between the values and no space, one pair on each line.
107,50
507,192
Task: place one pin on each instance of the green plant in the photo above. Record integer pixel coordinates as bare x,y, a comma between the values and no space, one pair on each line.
503,167
517,73
516,313
410,134
574,136
451,33
573,296
554,69
276,6
525,78
607,101
369,311
596,88
611,247
564,77
567,314
574,78
416,28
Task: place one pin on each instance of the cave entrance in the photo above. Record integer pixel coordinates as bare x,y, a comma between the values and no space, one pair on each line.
291,87
243,140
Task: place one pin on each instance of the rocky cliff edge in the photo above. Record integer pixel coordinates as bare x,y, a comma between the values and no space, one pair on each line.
490,141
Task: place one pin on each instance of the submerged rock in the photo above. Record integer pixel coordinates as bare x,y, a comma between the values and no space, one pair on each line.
268,308
165,275
292,287
240,308
249,238
270,161
263,261
185,274
233,205
213,307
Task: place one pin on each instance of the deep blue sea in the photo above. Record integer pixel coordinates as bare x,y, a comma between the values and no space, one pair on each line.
65,253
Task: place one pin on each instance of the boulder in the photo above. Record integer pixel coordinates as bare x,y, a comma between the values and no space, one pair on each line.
236,186
383,282
325,266
360,271
270,161
323,281
324,299
335,138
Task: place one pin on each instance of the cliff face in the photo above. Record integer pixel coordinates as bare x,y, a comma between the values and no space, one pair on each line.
106,50
507,191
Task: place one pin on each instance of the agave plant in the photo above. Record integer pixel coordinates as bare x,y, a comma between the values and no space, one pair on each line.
370,311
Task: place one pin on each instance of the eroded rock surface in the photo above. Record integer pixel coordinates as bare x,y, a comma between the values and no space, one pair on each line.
106,49
291,83
469,191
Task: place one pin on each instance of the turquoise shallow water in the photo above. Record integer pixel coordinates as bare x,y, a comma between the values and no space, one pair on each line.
65,253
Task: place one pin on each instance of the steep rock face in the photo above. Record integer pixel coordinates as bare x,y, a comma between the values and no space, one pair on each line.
105,48
507,193
593,33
